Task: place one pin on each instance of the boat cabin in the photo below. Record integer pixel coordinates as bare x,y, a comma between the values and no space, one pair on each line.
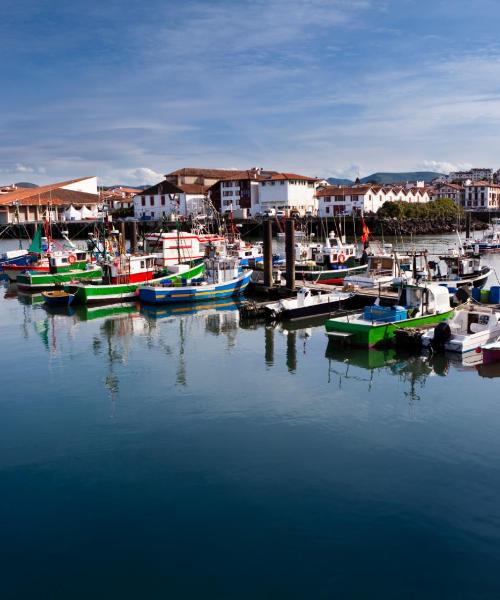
474,319
333,252
135,268
219,270
60,262
455,267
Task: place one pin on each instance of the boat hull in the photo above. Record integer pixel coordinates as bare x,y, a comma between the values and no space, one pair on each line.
44,281
491,355
104,293
328,276
64,299
378,334
165,295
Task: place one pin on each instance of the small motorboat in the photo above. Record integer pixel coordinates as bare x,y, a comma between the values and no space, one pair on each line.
58,298
472,326
306,304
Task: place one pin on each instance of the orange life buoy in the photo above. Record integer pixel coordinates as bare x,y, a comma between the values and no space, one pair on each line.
341,258
72,259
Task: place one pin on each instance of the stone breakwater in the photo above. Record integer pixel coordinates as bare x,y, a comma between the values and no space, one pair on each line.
418,226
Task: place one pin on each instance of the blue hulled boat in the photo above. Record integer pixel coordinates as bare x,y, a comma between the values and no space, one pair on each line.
223,278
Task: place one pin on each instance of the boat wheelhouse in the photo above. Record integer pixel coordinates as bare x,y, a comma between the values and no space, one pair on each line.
327,263
459,270
63,268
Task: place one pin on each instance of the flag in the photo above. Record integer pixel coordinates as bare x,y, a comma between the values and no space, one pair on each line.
365,231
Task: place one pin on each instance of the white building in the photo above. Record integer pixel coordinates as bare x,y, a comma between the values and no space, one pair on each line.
476,174
339,200
77,199
481,195
455,191
166,200
288,192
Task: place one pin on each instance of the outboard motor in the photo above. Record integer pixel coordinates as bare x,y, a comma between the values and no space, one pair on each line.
442,334
462,295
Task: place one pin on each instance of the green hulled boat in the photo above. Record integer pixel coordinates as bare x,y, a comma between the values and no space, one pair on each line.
124,275
417,306
63,268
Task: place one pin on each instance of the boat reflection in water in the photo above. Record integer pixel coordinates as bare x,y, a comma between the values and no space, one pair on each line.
162,311
490,371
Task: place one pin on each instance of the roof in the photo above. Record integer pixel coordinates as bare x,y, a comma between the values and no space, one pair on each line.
164,187
49,193
334,190
273,176
483,184
193,188
210,173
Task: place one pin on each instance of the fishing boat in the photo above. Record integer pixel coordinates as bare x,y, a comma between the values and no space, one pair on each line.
57,297
490,242
383,269
123,275
64,267
458,269
416,306
14,257
223,278
472,326
306,304
35,258
327,263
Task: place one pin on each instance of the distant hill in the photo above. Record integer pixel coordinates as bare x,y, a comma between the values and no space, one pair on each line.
386,178
337,181
26,184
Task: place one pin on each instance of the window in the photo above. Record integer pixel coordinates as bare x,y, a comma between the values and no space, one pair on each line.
143,201
152,200
143,264
282,182
263,183
273,182
163,200
327,210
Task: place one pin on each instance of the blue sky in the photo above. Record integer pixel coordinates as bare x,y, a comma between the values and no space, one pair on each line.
131,90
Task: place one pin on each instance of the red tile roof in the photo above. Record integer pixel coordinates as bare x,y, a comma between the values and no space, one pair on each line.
193,188
50,193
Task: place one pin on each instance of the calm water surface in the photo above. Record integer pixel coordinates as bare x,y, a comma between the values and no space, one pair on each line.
151,454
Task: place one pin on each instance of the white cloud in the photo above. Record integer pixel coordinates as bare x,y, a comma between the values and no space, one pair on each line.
140,175
443,166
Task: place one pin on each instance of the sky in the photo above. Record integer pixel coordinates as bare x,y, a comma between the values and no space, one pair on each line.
131,90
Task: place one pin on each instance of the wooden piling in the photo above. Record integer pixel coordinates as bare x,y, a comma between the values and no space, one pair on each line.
267,238
290,253
133,238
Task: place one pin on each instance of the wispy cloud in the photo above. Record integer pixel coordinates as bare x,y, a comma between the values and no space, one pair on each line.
327,87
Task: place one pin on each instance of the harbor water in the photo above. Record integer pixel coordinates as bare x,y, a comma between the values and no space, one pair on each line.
182,453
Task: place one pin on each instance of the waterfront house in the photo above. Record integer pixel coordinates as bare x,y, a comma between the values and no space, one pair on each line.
73,200
481,195
167,200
